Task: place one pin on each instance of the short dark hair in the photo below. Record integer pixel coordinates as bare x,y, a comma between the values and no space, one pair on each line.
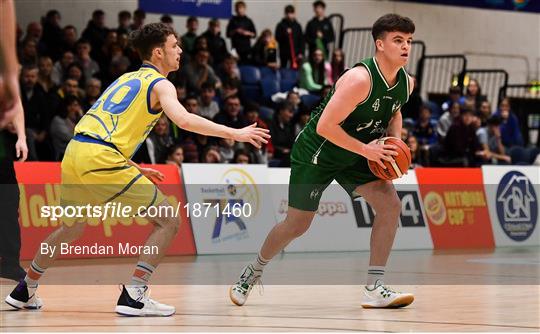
166,19
390,23
124,14
70,27
139,12
455,90
149,37
319,3
239,4
98,12
251,106
494,120
208,86
289,9
192,19
29,67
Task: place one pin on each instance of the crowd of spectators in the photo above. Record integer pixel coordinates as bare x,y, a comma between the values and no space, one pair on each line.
64,71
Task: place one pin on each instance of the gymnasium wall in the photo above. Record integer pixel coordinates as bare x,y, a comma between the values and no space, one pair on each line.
491,38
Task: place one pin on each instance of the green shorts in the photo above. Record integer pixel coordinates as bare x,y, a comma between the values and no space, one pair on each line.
308,181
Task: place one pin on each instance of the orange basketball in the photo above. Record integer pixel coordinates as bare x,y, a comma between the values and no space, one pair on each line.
396,169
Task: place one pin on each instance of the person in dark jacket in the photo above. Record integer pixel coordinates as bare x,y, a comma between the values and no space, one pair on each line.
289,33
96,32
319,30
52,33
282,131
216,43
241,30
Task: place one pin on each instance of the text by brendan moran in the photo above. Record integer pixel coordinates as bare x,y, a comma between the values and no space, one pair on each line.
96,249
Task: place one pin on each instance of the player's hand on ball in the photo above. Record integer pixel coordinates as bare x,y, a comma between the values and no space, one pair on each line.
377,152
253,135
152,174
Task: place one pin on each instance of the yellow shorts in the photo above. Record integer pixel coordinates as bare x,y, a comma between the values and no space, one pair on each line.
94,173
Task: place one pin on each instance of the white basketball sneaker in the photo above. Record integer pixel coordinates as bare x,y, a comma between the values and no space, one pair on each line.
383,297
24,297
239,291
135,301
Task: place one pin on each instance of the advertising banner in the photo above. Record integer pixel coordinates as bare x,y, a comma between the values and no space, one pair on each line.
532,6
456,207
108,238
230,206
512,195
343,224
200,8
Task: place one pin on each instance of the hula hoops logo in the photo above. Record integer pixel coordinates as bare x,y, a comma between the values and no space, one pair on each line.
517,206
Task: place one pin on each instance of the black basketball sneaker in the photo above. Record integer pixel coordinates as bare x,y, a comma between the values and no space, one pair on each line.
24,297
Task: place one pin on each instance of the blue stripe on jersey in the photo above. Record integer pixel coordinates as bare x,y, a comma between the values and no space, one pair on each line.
148,92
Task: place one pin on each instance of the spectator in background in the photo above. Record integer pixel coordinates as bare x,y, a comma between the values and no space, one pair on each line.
210,155
241,156
473,94
37,114
45,67
510,129
60,67
181,92
241,30
230,88
226,149
484,113
264,51
416,157
424,129
216,44
95,32
290,40
447,119
108,50
199,72
461,143
63,125
52,33
492,148
34,31
93,91
229,71
29,54
159,141
69,39
231,115
337,64
175,155
188,39
167,20
124,22
455,96
75,72
294,99
69,87
302,118
88,65
315,73
319,30
282,131
208,107
139,16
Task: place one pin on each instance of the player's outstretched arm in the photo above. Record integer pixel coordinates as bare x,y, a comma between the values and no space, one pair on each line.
351,89
166,93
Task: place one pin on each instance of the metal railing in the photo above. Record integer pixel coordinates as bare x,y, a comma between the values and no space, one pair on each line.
356,44
436,73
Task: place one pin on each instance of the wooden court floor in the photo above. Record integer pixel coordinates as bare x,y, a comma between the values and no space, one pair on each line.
453,293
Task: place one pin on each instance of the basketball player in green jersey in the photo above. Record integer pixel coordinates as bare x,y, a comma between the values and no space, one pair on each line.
337,143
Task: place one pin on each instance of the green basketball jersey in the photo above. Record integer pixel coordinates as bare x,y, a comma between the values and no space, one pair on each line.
367,122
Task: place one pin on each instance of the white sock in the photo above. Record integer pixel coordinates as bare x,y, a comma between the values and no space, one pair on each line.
375,273
259,263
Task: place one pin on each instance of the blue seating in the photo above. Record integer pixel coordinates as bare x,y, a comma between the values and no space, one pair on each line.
310,100
268,73
289,79
269,86
250,75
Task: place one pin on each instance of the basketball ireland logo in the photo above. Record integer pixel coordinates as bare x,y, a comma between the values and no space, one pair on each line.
517,206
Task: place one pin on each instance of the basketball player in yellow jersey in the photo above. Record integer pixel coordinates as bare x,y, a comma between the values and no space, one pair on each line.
99,155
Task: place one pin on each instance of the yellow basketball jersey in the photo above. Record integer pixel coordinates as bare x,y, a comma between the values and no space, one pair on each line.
122,116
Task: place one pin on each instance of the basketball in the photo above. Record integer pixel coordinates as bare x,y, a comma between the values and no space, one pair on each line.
396,169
